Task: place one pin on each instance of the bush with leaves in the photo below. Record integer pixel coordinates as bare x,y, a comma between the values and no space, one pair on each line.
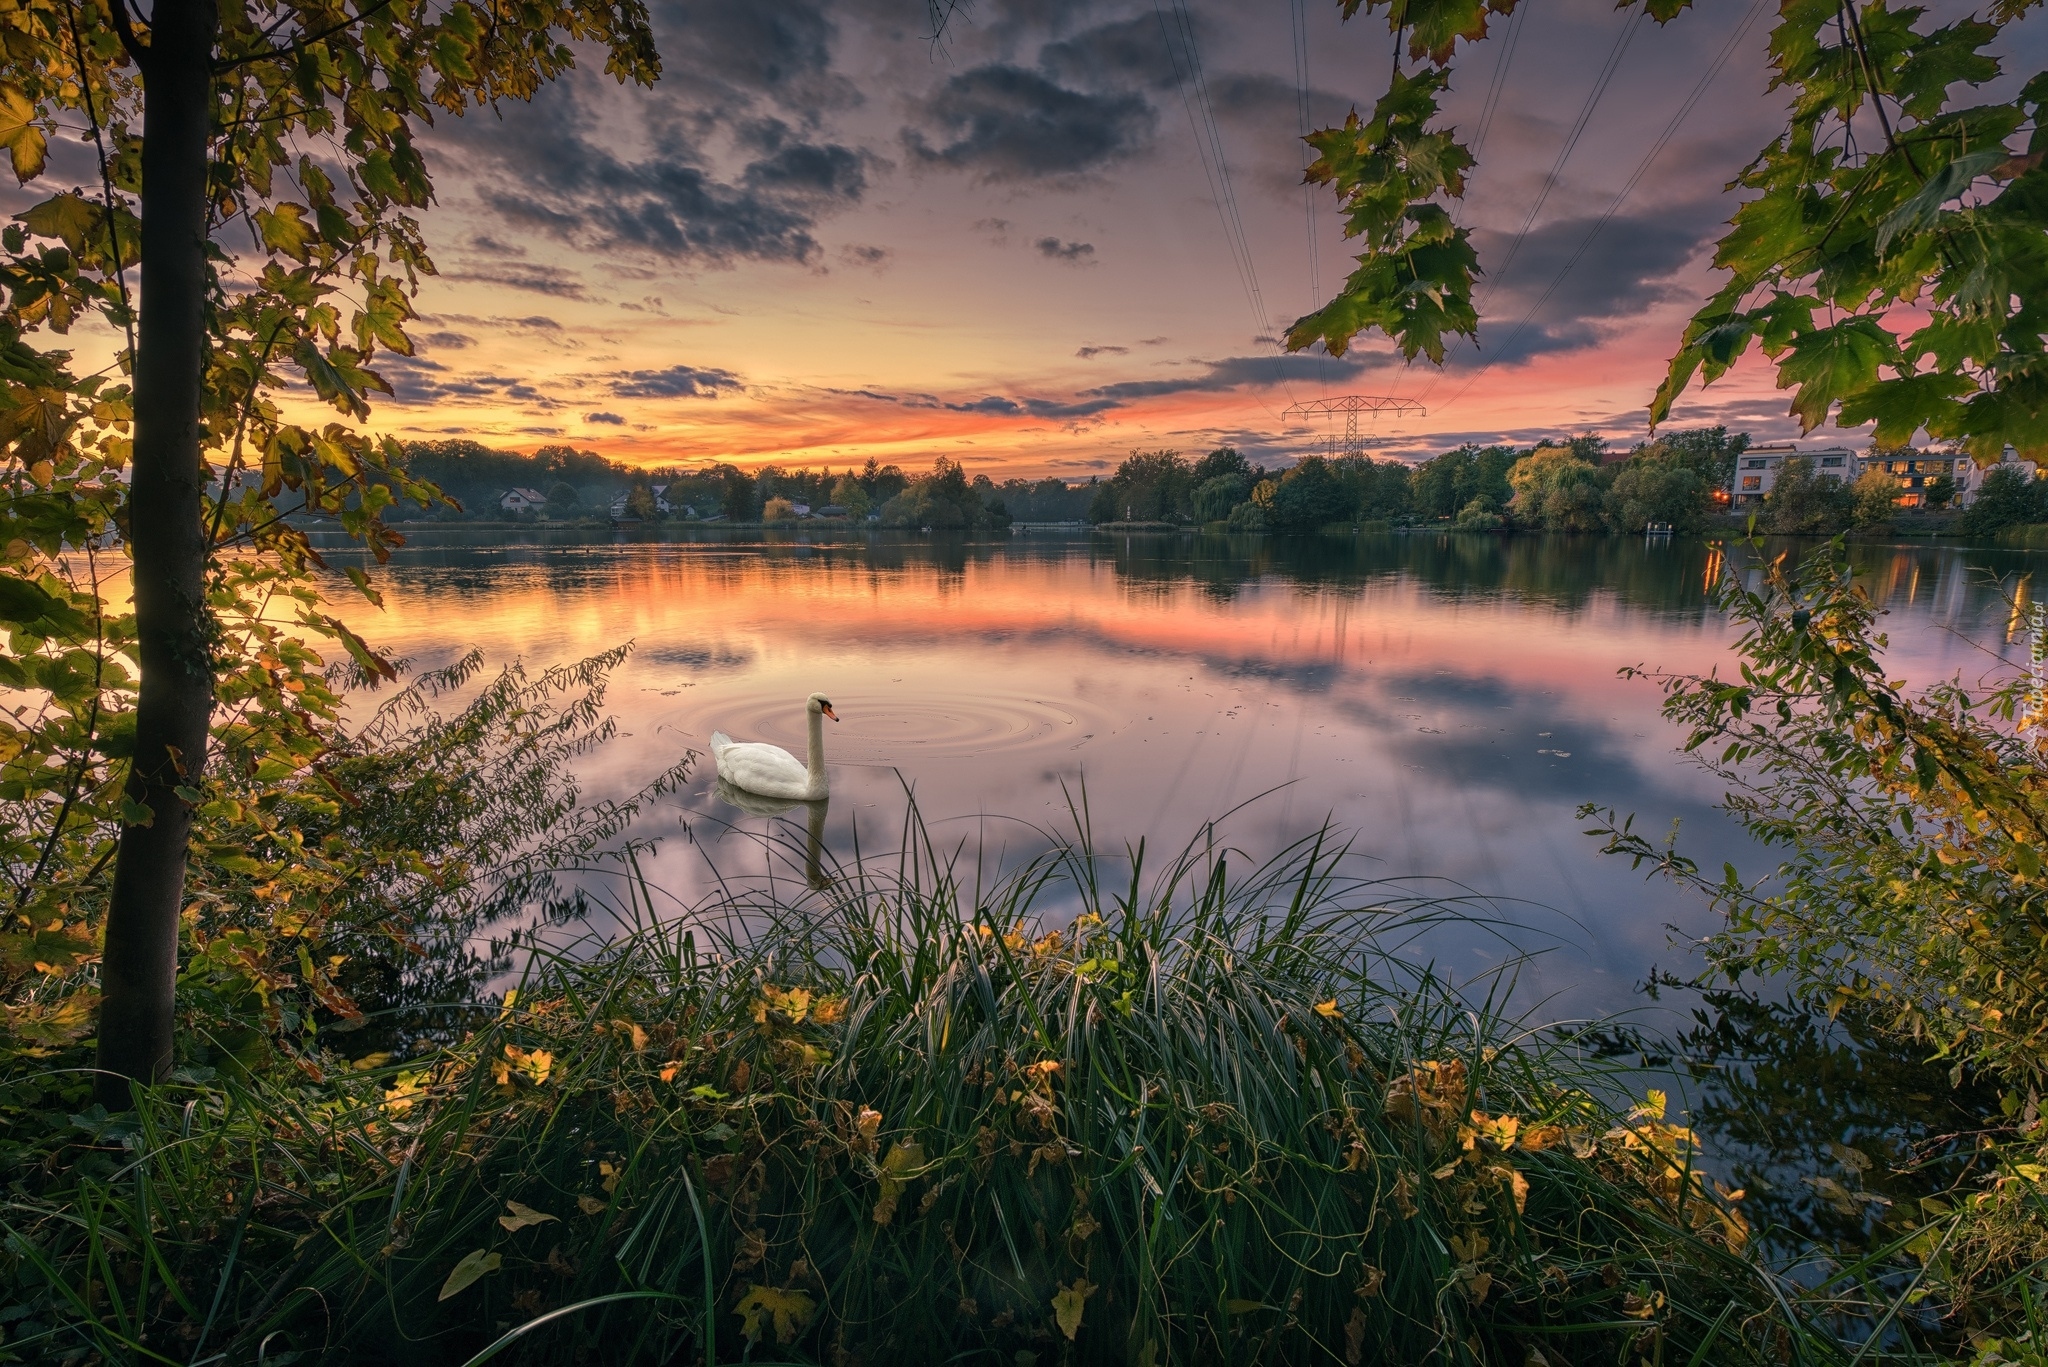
1914,885
2009,497
1806,501
1893,184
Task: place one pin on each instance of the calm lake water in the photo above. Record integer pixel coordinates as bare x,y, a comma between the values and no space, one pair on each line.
1447,702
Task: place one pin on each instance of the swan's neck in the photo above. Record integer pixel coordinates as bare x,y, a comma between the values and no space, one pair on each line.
817,750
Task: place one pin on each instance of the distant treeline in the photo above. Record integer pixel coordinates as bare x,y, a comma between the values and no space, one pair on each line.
1568,485
585,484
1574,485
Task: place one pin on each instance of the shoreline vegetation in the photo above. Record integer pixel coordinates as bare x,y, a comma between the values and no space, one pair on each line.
1206,1117
1089,1108
1677,483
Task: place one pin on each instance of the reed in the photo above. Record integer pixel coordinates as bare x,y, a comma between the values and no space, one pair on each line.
1083,1110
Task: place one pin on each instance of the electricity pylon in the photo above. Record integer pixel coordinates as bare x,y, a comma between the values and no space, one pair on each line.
1351,405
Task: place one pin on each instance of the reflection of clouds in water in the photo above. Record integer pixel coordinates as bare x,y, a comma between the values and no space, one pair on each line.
708,656
1448,706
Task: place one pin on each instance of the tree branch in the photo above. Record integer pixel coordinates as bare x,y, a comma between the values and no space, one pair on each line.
125,28
300,43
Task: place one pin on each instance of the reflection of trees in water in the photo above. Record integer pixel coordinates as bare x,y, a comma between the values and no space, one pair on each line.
1568,573
1834,1129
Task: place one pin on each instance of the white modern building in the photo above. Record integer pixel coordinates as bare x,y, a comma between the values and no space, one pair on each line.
1757,470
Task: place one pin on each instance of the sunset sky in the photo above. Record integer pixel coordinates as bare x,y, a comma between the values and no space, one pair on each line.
823,237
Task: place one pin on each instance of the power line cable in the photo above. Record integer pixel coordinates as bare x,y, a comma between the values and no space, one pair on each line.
1209,149
1579,125
1308,191
1571,141
1501,64
1671,128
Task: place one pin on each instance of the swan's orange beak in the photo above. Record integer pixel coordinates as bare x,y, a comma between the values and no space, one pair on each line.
826,708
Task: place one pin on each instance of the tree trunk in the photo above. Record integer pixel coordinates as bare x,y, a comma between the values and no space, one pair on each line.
167,543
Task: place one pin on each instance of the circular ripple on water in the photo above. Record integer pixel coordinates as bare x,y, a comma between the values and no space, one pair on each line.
888,729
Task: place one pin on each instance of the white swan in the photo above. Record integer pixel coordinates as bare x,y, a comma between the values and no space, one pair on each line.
772,771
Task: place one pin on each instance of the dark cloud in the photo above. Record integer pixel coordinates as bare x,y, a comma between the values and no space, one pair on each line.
1258,99
676,382
1631,265
872,258
747,55
417,380
1073,253
1003,406
608,419
445,341
519,275
761,73
1239,372
824,172
1116,55
1002,122
881,396
1089,353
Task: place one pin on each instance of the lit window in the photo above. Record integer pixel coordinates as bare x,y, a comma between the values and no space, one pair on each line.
1752,481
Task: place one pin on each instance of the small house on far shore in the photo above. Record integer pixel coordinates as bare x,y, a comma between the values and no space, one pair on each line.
523,500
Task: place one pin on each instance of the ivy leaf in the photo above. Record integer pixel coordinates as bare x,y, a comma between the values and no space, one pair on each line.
787,1311
474,1266
26,146
1067,1305
521,1217
1832,363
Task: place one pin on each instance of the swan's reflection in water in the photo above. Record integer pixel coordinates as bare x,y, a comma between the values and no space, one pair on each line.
754,804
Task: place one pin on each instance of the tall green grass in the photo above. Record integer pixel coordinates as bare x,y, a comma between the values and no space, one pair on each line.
2029,537
1200,1115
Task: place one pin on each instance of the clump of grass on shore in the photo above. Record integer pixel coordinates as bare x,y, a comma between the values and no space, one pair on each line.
903,1121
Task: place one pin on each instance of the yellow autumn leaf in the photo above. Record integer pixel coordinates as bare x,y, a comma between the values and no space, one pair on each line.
868,1122
1066,1306
764,1306
25,143
589,1205
522,1216
1328,1010
474,1265
905,1158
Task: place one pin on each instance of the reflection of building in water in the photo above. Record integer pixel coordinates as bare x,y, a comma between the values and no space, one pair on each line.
1757,470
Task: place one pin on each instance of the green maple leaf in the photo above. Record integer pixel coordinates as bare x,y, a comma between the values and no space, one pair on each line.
70,218
286,230
1833,363
1901,407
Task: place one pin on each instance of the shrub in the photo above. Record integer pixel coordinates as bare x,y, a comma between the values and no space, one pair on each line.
1202,1119
1308,496
1876,500
1805,503
2009,497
